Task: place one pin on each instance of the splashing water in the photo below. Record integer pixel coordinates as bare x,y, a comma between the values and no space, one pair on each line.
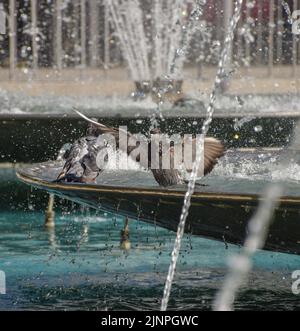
128,19
188,32
166,41
159,49
174,67
191,187
240,265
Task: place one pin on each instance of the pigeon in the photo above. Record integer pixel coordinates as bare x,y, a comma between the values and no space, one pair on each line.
213,150
80,159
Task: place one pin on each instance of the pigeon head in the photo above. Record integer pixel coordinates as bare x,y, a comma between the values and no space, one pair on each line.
93,129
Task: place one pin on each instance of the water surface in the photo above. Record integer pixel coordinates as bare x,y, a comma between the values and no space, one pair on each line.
80,265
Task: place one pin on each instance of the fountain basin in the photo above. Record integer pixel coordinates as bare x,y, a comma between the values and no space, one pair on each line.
219,211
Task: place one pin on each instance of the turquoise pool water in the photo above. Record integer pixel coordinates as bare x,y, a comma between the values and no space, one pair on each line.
80,265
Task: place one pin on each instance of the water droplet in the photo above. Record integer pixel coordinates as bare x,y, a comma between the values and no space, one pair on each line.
180,51
258,128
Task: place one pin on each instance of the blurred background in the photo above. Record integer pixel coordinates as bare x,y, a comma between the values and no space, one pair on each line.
76,41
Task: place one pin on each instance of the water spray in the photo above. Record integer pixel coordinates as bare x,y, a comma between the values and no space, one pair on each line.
191,186
241,265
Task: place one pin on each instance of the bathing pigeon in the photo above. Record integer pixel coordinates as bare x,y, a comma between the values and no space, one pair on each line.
80,158
213,150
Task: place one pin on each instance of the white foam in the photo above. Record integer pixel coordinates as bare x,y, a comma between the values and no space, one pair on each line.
16,103
257,170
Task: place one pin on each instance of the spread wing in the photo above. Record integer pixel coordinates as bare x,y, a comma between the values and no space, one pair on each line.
213,150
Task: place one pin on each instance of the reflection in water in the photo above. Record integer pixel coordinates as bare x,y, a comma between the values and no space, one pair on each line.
125,243
52,238
85,233
50,214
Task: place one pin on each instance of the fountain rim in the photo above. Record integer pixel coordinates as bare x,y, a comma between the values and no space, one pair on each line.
169,115
42,184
